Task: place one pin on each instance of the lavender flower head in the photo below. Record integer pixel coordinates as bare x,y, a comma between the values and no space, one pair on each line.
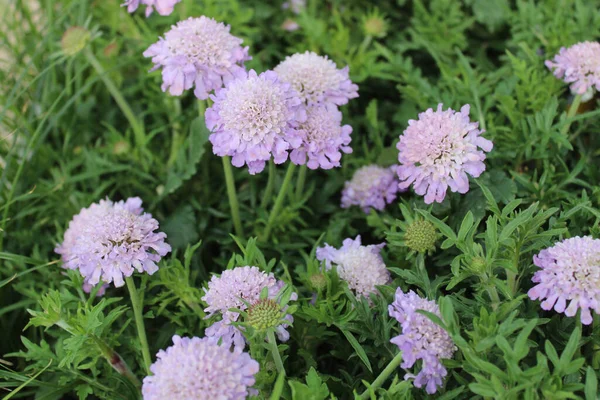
371,186
438,150
317,79
295,5
578,65
323,138
362,267
200,53
421,339
233,289
163,7
570,273
107,241
200,368
254,118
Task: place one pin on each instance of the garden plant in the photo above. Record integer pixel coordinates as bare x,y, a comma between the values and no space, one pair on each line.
300,199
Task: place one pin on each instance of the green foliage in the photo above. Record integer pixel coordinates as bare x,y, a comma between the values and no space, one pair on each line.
83,119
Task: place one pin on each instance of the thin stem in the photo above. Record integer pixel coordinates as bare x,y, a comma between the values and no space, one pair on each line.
300,182
232,194
383,375
138,129
269,189
596,348
279,201
275,352
136,304
572,111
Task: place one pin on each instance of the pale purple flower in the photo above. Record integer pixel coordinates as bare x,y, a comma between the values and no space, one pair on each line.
87,287
163,7
371,186
578,65
254,118
200,368
108,241
438,150
200,53
421,339
324,138
569,278
236,288
290,25
362,267
295,5
317,79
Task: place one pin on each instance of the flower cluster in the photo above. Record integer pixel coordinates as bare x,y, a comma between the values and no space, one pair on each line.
163,7
438,151
421,339
570,273
200,53
108,241
200,368
362,267
578,65
254,118
236,289
371,186
317,79
324,138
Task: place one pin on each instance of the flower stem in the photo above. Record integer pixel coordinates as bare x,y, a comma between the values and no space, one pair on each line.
383,375
138,129
572,111
300,181
136,304
279,201
275,352
269,189
233,200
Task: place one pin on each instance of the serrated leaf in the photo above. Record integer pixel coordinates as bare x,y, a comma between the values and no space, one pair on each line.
189,155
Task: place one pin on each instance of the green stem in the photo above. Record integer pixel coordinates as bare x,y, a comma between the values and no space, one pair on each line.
493,293
275,352
571,113
300,181
279,201
136,304
596,348
383,376
269,189
233,200
138,129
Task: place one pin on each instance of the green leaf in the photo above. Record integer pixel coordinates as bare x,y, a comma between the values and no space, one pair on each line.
591,384
181,227
315,389
358,348
190,153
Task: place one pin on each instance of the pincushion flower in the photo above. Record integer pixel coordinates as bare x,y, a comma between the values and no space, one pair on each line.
323,138
254,118
200,53
362,267
295,5
371,186
317,79
438,150
421,339
200,368
578,65
108,241
163,7
569,278
237,288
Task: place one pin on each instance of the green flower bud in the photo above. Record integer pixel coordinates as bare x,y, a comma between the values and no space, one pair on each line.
375,26
318,282
420,236
74,40
478,265
264,314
